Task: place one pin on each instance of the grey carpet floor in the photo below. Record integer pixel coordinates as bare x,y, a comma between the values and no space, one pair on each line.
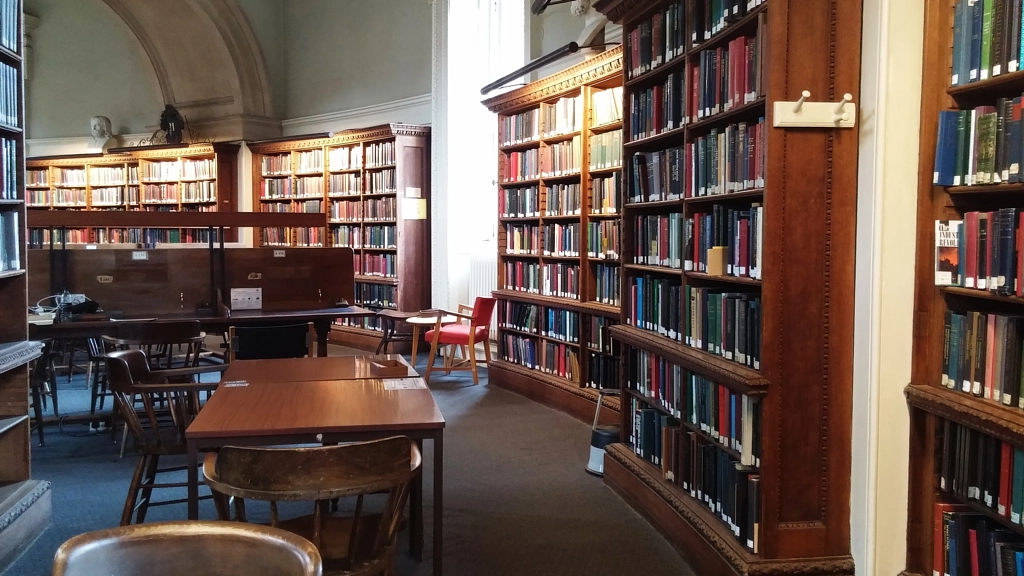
517,499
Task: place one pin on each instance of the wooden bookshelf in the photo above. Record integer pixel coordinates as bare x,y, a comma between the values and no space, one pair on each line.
802,184
24,501
932,405
374,186
566,201
188,178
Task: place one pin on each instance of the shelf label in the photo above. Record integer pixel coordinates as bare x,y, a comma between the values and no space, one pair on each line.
91,246
413,192
414,209
140,255
278,253
104,279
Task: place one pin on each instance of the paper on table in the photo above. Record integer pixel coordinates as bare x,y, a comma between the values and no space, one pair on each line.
404,384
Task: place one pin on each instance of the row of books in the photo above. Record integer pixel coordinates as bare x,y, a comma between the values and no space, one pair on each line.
656,41
345,185
522,276
9,167
202,191
342,211
982,469
986,39
966,543
69,176
561,158
205,168
380,209
730,418
563,116
606,106
309,237
654,305
701,468
10,240
729,77
376,295
981,145
712,17
10,19
606,281
739,231
726,324
519,316
562,200
308,186
309,161
168,170
33,177
381,236
549,357
103,175
561,240
981,251
380,154
602,371
69,197
113,195
382,182
982,356
522,239
600,339
658,240
276,165
345,158
150,193
307,207
10,86
522,202
561,325
519,166
347,236
659,108
606,150
384,265
603,239
562,280
606,195
373,323
519,128
275,188
551,322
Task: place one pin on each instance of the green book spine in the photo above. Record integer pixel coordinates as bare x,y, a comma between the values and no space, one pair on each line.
987,124
986,40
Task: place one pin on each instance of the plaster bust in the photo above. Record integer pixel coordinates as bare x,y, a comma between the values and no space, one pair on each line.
102,135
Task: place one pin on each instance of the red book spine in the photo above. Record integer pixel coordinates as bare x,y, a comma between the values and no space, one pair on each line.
718,103
1019,288
1005,466
723,411
988,250
974,552
744,248
971,231
697,260
695,96
663,238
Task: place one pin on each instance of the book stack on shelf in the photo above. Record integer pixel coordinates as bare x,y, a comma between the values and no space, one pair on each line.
732,444
191,178
373,184
24,502
559,212
967,416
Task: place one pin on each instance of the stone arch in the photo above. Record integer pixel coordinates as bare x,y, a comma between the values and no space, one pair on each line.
208,63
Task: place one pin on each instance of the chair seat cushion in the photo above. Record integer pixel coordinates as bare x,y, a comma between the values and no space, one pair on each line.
457,334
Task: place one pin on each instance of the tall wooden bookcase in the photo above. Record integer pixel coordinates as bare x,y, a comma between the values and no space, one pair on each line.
24,502
940,416
762,490
196,178
558,238
374,185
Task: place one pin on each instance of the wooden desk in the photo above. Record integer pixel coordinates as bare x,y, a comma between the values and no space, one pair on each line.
283,412
321,319
308,369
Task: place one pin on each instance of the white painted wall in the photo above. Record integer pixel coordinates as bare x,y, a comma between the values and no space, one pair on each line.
86,62
553,29
343,54
889,127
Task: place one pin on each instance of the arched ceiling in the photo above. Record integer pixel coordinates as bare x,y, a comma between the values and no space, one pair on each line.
208,63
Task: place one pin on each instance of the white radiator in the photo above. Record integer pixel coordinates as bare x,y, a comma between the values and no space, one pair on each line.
483,278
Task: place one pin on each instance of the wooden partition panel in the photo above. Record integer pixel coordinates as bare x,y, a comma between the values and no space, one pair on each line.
177,280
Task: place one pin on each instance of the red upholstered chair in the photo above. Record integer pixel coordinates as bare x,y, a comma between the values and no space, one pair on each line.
465,333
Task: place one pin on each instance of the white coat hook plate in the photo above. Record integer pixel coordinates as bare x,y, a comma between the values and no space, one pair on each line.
806,114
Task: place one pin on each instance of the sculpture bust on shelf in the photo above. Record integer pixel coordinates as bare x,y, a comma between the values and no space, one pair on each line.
102,135
172,124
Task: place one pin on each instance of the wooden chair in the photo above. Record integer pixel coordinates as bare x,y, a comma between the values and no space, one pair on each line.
131,378
464,335
361,544
167,343
265,342
188,549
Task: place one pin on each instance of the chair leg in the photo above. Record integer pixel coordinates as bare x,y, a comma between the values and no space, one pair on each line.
147,490
472,361
430,360
133,491
93,379
487,352
221,502
37,409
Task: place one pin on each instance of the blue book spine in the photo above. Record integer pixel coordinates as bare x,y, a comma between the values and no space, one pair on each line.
945,149
951,560
977,10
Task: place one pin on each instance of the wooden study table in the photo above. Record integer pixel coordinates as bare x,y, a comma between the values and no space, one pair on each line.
265,412
307,369
320,317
